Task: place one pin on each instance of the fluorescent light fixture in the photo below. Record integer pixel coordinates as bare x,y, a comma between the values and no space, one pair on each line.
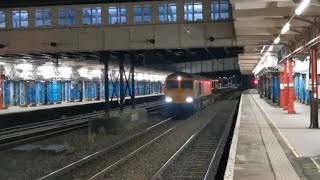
24,66
262,49
2,63
302,7
267,54
270,48
277,40
285,28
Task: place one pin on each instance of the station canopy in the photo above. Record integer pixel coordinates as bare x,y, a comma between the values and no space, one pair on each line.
258,23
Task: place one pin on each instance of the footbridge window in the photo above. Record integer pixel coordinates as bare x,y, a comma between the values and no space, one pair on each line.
220,10
193,11
142,14
117,15
168,12
91,16
20,19
43,18
67,17
2,19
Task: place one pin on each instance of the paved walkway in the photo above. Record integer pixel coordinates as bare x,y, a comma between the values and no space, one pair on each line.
268,143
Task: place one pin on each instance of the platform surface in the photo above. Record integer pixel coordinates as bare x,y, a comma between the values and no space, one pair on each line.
17,109
268,143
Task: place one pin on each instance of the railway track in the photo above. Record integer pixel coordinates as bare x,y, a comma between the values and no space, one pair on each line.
96,165
199,157
26,133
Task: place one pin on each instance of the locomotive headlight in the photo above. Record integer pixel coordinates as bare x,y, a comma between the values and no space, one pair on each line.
189,99
168,99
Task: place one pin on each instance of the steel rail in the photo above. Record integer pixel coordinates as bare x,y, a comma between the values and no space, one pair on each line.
97,154
50,129
121,161
185,145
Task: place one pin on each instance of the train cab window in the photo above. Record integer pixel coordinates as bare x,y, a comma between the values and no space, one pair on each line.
91,16
193,11
43,18
2,19
168,12
117,15
67,17
220,10
142,14
186,84
20,19
172,84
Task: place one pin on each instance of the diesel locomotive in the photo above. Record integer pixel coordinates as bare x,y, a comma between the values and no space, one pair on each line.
186,94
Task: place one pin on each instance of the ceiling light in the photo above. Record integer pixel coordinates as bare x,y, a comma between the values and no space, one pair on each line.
2,63
270,48
302,6
285,28
277,40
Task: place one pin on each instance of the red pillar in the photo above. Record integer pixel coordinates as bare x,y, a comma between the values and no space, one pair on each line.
291,89
314,86
285,82
1,87
281,103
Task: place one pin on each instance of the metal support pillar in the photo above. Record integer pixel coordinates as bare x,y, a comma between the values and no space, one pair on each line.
285,82
281,77
121,72
266,86
291,89
133,86
1,88
106,87
261,86
314,86
269,87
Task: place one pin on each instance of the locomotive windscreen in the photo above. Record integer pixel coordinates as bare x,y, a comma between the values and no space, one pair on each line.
170,84
187,84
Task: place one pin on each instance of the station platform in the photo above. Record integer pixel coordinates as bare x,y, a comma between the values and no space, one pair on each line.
16,115
268,143
18,109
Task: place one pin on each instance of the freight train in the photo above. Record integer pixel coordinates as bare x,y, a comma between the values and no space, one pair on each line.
186,94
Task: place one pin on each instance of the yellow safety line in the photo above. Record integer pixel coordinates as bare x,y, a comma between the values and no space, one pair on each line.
279,131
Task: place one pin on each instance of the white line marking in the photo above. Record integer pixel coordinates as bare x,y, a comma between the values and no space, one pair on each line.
233,149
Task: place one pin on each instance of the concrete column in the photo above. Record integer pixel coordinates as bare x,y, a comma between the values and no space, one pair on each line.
206,10
291,89
286,88
314,86
180,11
129,13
